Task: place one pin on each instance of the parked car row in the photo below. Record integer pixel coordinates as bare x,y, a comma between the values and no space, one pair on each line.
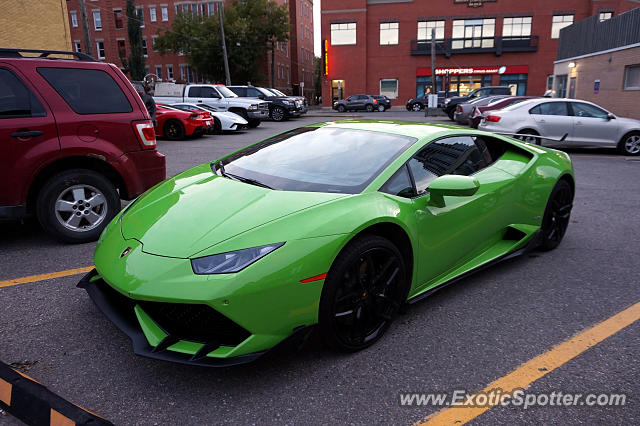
556,122
362,102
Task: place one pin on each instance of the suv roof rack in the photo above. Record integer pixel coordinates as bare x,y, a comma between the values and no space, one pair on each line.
17,53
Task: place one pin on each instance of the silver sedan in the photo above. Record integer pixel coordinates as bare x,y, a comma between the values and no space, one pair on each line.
570,122
463,110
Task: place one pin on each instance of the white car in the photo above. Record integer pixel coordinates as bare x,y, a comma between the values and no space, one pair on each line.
585,124
224,121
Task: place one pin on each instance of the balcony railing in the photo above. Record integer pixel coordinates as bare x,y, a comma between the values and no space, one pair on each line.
497,45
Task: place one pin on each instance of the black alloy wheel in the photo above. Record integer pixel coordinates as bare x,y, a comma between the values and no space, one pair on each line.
556,215
363,291
278,114
173,130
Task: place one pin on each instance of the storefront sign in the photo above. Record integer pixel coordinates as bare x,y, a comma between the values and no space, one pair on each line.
473,3
506,69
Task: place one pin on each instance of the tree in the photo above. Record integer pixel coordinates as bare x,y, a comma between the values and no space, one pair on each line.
134,65
317,63
251,27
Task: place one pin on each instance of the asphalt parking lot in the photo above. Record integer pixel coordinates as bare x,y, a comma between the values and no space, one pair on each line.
464,337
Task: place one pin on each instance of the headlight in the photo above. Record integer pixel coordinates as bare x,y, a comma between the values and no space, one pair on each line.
233,261
287,102
446,101
254,106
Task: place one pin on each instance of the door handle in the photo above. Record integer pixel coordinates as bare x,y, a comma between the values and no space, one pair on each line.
543,121
27,134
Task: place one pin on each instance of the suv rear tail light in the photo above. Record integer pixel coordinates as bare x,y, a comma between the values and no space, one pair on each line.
493,118
145,133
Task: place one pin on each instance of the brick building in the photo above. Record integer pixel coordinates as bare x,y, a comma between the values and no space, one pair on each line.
384,46
599,61
27,24
109,40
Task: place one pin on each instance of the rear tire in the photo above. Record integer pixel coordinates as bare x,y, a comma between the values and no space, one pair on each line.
173,130
381,108
450,114
630,144
369,108
217,127
341,108
556,215
416,107
535,141
363,291
76,205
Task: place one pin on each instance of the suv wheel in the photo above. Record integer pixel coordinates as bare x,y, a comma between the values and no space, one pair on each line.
341,108
369,108
381,108
76,205
278,114
416,107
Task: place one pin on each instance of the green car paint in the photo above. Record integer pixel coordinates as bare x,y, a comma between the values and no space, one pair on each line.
145,253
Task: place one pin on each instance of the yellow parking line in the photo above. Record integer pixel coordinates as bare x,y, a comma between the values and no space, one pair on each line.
539,366
41,277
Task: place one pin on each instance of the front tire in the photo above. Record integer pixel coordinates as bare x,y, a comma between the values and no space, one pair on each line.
556,215
278,114
630,144
381,108
416,107
173,130
363,290
76,205
341,108
254,122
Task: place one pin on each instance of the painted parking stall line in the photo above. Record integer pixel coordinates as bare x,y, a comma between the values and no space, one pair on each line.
42,277
539,366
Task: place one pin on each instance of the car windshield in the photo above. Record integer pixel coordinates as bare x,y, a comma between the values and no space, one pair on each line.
226,92
517,105
277,92
318,159
265,91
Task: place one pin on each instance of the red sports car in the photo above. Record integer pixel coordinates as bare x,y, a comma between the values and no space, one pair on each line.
176,124
477,112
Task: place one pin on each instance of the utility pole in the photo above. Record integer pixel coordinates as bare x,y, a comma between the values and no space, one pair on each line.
85,28
224,46
433,62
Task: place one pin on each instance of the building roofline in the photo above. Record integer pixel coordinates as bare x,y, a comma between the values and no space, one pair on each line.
602,52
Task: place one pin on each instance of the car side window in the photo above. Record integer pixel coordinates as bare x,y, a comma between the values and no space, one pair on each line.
550,108
254,93
208,92
587,110
194,92
16,100
399,184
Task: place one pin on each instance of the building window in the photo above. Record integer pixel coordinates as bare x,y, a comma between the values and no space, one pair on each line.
550,82
183,72
100,49
343,34
473,33
152,14
211,9
558,23
169,72
632,77
425,27
159,72
389,33
154,40
389,88
140,13
605,15
145,51
561,86
122,48
74,18
164,11
517,27
117,18
97,20
76,46
517,83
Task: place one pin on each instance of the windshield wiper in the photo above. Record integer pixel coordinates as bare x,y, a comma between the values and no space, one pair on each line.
220,165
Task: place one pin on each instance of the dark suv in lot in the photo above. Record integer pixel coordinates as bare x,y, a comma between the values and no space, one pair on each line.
449,104
75,138
357,102
280,107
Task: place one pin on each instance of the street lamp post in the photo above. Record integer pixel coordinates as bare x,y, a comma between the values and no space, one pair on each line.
224,46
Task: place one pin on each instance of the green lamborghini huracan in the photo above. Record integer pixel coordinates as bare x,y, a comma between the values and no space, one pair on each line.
332,226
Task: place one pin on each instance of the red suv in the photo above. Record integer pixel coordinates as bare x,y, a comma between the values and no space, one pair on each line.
75,138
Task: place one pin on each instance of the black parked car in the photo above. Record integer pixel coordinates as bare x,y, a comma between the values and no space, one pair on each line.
300,100
357,102
280,107
383,102
450,104
422,102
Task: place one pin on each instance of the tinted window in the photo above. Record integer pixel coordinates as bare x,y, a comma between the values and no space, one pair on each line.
252,92
16,100
399,184
320,159
87,91
550,108
457,155
208,92
194,92
588,110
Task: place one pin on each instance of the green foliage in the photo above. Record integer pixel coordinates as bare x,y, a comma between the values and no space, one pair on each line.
135,64
251,27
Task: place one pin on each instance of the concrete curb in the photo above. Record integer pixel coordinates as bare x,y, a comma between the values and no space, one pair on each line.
29,401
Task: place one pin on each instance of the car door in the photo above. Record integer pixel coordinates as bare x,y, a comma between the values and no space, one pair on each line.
351,102
252,92
553,119
28,135
205,95
451,235
592,125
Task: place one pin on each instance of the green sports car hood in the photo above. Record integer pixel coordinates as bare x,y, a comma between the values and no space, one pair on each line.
198,209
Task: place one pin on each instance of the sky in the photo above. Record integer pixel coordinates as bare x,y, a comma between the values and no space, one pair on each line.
316,27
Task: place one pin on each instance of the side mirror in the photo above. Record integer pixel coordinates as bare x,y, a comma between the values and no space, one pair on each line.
611,116
451,185
261,97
